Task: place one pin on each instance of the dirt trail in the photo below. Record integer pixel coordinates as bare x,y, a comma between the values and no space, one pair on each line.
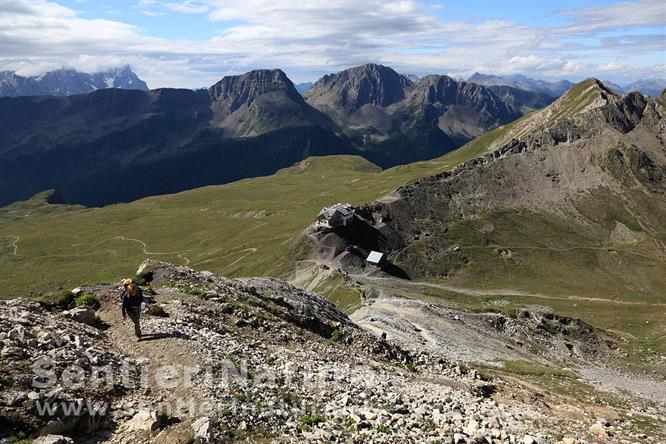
498,292
161,346
14,244
248,250
179,254
446,331
145,248
419,325
185,258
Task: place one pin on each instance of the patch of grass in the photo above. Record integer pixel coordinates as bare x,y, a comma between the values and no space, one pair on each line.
86,299
186,288
348,422
308,421
336,335
555,381
62,299
381,428
290,398
19,439
334,288
411,367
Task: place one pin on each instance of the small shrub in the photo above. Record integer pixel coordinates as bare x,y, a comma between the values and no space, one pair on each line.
311,420
239,395
86,299
186,288
336,335
384,429
429,423
290,399
348,421
411,367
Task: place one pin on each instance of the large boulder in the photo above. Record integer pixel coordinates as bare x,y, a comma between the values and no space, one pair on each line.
53,439
202,430
146,420
85,315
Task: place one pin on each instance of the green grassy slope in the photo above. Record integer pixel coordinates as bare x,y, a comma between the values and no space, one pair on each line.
246,228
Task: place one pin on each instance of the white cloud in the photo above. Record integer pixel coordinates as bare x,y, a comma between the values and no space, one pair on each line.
616,16
188,7
307,39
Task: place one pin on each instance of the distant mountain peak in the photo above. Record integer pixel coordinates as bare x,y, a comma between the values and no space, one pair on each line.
246,87
353,88
519,81
260,101
67,81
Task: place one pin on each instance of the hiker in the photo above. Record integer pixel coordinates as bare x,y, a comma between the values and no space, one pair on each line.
131,298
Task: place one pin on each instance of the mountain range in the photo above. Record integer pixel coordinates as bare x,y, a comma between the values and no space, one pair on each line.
67,82
393,119
554,89
114,145
564,197
529,263
649,87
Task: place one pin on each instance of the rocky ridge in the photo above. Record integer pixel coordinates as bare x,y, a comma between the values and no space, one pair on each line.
544,164
554,89
276,363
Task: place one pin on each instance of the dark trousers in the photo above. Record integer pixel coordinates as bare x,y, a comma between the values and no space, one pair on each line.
134,314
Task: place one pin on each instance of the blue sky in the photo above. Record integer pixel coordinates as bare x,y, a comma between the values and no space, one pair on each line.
193,43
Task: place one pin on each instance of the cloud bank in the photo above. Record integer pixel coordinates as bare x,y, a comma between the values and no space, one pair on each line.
620,42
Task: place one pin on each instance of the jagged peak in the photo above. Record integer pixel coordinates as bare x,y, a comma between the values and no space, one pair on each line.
583,97
275,75
372,67
245,87
435,78
377,71
364,84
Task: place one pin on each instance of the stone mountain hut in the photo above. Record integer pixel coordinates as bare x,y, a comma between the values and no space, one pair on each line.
340,214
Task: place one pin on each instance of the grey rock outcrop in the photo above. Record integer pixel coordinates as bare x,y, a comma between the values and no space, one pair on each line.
85,315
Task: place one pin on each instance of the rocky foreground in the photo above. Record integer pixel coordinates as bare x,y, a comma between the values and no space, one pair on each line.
249,360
